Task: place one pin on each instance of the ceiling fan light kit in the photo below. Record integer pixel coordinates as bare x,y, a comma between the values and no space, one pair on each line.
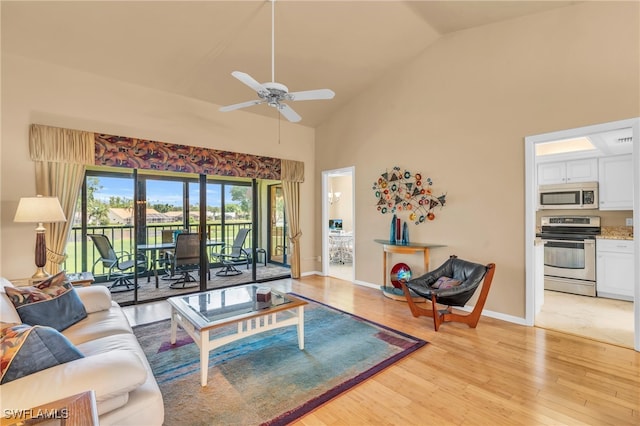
273,93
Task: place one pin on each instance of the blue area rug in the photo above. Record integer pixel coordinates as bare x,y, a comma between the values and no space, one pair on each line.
266,379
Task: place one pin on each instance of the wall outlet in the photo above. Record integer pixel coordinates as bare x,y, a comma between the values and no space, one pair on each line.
629,221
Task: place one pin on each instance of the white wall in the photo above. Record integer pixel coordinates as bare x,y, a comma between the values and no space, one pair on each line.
34,92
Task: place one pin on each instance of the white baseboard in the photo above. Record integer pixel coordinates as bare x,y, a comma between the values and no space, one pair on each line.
497,315
366,284
485,312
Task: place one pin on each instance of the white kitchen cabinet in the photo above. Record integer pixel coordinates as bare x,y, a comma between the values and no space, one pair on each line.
568,171
616,182
614,269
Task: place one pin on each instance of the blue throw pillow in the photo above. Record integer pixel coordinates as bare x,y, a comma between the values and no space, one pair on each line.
26,350
53,302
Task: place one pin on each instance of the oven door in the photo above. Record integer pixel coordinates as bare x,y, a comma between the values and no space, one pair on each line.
570,259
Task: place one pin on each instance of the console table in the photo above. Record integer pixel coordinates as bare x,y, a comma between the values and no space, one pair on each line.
411,248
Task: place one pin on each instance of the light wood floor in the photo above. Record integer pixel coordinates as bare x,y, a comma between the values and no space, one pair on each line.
497,374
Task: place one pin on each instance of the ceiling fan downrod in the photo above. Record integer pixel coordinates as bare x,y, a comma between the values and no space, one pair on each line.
273,42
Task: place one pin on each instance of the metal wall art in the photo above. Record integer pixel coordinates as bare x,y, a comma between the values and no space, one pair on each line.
400,190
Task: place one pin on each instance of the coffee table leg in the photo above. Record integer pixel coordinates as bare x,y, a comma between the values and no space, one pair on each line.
204,357
174,326
301,327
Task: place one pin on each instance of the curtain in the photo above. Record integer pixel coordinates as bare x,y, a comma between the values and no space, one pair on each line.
292,174
60,145
61,156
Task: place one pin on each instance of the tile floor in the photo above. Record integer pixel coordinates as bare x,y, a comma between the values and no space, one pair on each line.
147,290
156,311
342,271
605,320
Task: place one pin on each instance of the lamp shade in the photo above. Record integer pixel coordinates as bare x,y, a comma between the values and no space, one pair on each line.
39,210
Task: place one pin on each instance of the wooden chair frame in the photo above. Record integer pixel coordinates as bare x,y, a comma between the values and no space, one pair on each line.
443,315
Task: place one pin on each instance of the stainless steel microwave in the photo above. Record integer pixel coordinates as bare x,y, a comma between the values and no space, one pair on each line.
581,195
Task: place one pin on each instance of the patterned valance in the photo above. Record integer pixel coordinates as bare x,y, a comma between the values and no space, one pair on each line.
55,144
120,151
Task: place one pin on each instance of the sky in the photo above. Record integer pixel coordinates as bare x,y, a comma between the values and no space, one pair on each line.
159,191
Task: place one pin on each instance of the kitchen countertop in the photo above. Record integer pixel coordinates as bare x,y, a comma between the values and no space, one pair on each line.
616,232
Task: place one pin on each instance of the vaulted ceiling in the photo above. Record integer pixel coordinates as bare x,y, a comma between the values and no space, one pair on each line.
190,48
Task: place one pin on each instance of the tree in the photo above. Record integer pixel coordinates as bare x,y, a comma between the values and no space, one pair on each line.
233,208
120,202
164,207
97,211
242,195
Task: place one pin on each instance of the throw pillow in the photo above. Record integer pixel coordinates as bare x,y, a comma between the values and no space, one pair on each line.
53,302
26,350
446,282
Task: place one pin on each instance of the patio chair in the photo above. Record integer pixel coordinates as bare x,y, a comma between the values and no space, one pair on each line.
119,265
451,284
232,255
164,259
185,260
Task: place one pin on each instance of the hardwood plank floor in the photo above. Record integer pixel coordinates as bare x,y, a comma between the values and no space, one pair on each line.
499,373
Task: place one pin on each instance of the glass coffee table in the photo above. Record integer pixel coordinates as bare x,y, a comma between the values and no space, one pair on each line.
200,312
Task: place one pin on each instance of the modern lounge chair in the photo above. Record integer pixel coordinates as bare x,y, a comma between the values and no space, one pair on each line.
451,284
233,255
119,265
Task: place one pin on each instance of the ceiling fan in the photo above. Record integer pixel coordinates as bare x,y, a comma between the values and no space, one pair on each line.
274,94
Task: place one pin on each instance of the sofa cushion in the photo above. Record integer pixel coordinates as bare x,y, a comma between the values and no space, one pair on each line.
53,303
98,325
112,375
28,349
95,298
8,312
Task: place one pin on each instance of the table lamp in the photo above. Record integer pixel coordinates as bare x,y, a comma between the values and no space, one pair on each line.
40,210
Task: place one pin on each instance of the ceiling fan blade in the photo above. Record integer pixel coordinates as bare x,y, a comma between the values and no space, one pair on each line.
310,95
251,82
242,105
289,113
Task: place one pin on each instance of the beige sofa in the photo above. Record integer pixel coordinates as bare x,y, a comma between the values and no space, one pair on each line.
114,366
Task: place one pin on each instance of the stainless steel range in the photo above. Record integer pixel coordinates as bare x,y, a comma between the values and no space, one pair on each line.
570,253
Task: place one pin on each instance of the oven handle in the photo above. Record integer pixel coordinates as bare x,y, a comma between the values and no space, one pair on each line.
589,242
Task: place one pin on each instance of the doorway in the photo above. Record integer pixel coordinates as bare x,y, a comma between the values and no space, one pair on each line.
535,293
338,224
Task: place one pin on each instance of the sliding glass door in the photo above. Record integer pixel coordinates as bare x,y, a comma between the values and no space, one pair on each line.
142,214
231,205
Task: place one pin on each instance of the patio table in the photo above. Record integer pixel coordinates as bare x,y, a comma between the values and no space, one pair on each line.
153,250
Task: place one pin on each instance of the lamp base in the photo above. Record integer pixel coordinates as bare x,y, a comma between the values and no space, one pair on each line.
40,273
41,254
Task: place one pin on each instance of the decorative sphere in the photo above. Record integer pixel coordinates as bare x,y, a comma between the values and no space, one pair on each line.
400,272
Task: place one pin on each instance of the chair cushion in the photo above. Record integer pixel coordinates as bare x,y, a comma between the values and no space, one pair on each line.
26,350
53,302
446,282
